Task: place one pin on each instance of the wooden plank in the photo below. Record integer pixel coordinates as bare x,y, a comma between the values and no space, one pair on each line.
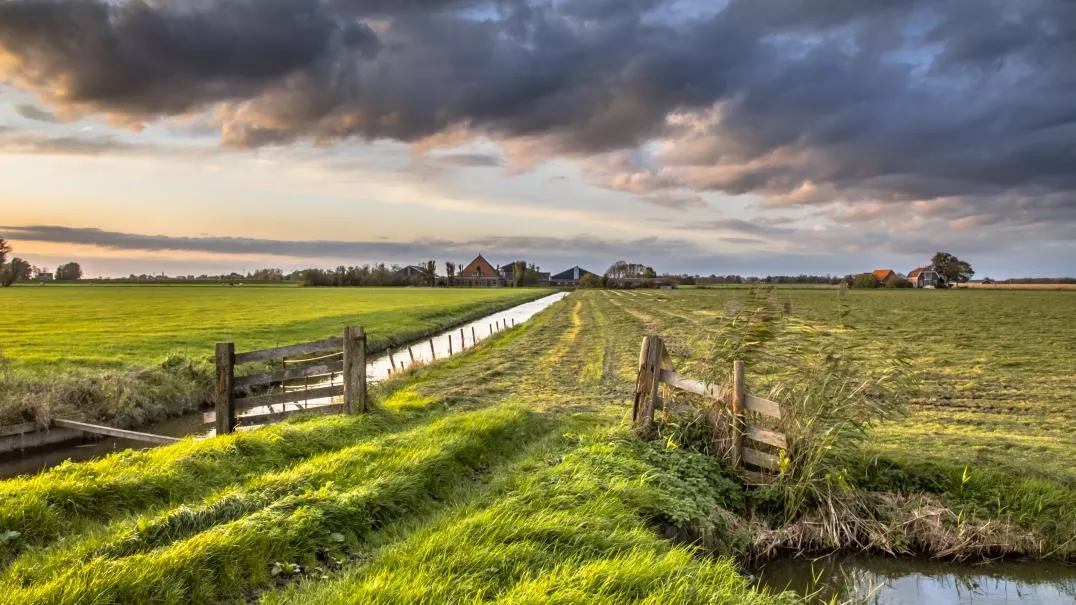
268,417
763,406
768,437
305,348
757,478
692,386
37,437
760,459
293,373
113,432
738,397
246,403
642,383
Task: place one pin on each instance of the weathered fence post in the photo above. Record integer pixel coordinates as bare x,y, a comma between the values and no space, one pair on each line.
225,391
354,369
648,383
449,345
463,341
738,403
412,354
474,339
433,353
392,361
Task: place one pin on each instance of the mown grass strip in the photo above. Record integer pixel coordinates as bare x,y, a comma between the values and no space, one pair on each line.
44,507
578,532
283,490
298,527
60,501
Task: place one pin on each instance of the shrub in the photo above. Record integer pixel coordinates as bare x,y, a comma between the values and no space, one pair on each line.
898,282
865,280
829,398
590,281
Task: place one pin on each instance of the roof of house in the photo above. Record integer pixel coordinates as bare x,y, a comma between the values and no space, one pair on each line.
574,274
482,266
884,274
914,273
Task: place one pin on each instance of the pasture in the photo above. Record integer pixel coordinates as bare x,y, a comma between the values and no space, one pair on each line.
128,355
113,326
996,369
507,473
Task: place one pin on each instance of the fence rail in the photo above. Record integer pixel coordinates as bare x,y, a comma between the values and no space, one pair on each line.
228,392
655,369
304,348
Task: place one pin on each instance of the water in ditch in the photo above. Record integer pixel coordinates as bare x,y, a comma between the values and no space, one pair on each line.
378,367
906,581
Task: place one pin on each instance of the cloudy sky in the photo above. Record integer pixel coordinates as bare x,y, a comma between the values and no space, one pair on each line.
751,137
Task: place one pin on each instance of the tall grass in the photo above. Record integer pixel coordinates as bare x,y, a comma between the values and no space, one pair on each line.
578,531
301,516
39,509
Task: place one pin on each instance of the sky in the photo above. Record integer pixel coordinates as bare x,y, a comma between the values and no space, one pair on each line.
748,137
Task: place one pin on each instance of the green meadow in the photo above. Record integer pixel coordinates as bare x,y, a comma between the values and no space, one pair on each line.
112,326
132,354
508,473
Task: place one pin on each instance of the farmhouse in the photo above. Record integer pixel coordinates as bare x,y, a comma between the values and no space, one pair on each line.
479,273
884,276
924,277
412,271
569,277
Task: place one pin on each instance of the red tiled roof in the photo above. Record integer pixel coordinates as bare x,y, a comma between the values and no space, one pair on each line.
883,274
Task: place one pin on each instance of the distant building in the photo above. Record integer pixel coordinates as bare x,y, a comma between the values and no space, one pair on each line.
569,277
532,277
44,277
884,276
924,277
479,273
413,271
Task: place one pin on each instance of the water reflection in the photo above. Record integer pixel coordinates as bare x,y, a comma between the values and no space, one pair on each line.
887,581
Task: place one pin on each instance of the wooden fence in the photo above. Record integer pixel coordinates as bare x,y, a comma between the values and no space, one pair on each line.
746,410
316,364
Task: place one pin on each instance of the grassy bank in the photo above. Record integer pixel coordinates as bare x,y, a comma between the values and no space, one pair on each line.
131,355
506,423
505,474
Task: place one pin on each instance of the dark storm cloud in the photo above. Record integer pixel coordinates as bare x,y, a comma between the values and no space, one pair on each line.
546,249
800,102
468,160
33,112
14,141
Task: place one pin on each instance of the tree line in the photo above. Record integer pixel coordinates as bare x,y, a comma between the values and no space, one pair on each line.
18,269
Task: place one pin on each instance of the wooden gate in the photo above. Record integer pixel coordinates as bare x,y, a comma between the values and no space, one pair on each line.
750,414
317,364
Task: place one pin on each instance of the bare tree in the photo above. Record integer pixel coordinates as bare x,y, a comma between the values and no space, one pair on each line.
430,268
450,271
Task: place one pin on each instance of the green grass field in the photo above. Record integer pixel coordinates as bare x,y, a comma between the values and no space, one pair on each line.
508,473
134,354
997,369
103,326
